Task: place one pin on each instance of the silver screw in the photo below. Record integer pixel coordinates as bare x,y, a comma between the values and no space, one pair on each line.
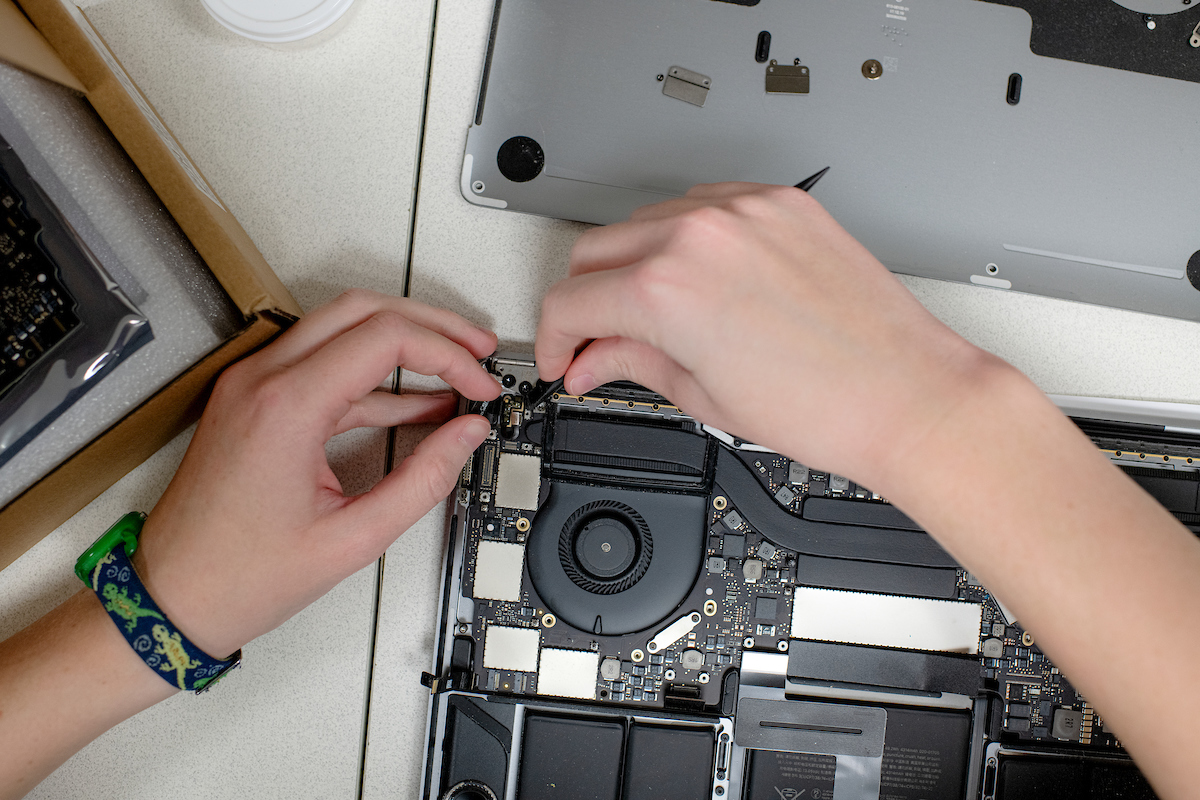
477,187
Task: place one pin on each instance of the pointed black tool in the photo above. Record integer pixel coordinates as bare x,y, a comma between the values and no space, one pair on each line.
811,180
541,391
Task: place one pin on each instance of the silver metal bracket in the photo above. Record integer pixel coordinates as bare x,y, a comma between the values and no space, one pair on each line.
690,87
782,79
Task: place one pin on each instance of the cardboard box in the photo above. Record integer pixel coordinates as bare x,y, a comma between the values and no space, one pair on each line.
54,39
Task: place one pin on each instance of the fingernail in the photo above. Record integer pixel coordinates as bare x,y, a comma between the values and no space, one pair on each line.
488,331
475,431
581,384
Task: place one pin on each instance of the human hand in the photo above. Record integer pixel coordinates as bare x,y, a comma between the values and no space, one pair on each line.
255,526
750,308
754,311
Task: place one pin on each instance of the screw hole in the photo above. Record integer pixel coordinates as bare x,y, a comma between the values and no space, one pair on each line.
477,187
992,269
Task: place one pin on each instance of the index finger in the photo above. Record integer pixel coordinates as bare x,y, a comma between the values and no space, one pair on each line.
595,305
353,307
616,245
352,364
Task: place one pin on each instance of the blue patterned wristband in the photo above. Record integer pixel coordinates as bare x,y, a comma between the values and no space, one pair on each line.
151,635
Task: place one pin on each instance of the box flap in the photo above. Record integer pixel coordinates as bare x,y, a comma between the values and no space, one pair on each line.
22,46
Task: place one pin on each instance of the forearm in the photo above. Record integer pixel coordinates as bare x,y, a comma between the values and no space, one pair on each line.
65,680
1105,578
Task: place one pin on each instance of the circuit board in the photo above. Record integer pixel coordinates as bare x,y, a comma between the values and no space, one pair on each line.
1037,702
36,311
738,589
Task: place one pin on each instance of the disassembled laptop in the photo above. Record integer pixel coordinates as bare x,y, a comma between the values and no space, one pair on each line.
640,606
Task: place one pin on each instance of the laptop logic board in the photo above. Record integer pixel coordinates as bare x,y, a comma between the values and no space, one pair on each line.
614,563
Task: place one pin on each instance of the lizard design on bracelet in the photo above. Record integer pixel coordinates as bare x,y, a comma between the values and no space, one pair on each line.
170,646
128,609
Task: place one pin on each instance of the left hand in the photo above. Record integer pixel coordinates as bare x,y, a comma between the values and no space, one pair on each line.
255,525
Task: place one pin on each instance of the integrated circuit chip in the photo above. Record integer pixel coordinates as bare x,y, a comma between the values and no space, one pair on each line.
766,607
518,480
733,546
511,648
1066,724
498,571
568,673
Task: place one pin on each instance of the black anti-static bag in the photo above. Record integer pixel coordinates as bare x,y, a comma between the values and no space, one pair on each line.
64,322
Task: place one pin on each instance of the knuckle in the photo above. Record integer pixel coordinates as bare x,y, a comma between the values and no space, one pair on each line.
433,478
628,358
232,380
583,243
752,204
704,226
552,304
440,478
271,393
357,298
387,324
235,383
654,281
449,321
793,197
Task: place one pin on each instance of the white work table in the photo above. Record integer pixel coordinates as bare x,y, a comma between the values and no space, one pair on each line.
320,153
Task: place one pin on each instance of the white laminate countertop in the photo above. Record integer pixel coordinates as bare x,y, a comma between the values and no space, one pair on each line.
315,150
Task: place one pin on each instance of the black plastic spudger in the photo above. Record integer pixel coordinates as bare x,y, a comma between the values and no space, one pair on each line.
541,391
811,180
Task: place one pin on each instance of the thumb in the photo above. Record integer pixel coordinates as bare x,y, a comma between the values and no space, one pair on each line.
421,481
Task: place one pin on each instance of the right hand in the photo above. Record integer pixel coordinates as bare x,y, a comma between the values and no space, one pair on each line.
754,311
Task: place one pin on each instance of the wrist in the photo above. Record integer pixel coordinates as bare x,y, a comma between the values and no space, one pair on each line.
936,410
67,678
987,408
980,446
84,616
107,568
175,593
